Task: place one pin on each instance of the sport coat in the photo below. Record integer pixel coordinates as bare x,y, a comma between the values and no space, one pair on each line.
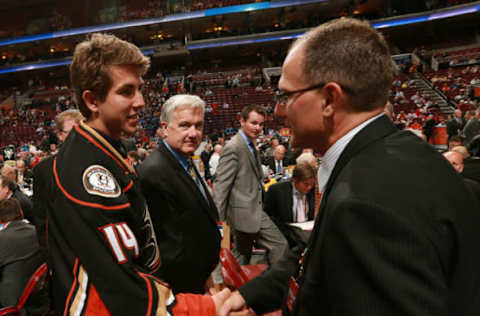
455,127
271,163
185,222
279,206
238,186
382,244
19,258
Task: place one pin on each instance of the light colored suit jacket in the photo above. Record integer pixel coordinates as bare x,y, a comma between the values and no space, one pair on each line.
238,187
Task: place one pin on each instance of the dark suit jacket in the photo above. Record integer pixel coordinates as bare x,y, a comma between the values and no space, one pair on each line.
271,164
25,203
471,168
453,127
41,174
19,258
382,244
185,223
279,204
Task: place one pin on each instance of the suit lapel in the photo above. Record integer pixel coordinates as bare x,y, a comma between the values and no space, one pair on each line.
374,131
288,198
241,142
190,184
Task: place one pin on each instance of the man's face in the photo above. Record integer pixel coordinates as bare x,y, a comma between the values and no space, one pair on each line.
119,112
279,153
305,185
185,130
9,172
4,192
253,126
455,159
303,111
67,127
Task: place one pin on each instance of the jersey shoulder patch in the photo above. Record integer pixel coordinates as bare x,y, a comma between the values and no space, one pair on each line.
97,180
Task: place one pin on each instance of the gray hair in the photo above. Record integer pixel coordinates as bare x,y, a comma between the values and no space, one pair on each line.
178,101
307,158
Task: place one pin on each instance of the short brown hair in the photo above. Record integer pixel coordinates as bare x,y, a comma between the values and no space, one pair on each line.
67,115
252,108
7,182
91,59
10,210
353,54
303,171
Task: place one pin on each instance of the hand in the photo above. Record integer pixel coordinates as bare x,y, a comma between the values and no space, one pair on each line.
235,303
220,298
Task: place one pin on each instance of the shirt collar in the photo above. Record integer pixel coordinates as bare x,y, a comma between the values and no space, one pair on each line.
294,189
246,138
181,158
330,158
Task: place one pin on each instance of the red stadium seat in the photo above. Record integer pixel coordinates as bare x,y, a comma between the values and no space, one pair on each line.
36,283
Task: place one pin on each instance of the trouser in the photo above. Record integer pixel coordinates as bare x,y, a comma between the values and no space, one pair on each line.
268,237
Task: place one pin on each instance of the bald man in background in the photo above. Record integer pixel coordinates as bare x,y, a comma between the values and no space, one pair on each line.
456,160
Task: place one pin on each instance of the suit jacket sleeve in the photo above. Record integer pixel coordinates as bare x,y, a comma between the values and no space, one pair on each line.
268,291
224,179
273,207
382,265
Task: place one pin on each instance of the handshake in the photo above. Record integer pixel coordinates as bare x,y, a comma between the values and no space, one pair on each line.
228,303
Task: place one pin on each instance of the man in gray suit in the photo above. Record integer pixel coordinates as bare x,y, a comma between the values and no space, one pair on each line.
238,191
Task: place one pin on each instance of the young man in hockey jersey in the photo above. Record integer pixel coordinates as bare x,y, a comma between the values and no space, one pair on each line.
101,245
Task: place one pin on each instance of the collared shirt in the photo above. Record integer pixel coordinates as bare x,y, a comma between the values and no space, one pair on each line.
248,141
329,160
182,159
296,194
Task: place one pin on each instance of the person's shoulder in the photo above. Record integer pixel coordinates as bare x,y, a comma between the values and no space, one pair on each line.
279,186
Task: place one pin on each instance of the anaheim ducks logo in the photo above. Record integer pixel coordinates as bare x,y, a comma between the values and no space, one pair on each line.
97,180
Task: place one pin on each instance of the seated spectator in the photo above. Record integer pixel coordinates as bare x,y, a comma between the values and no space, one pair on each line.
278,163
9,188
214,158
456,160
292,201
19,253
454,141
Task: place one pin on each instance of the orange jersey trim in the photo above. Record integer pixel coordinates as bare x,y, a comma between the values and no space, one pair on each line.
67,302
128,187
149,288
75,200
93,141
95,305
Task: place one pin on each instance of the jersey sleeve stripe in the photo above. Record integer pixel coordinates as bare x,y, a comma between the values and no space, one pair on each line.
81,295
74,284
128,187
149,288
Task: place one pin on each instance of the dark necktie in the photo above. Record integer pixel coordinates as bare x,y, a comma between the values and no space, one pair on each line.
255,155
195,177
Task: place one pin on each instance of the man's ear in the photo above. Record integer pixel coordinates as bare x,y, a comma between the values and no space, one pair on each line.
164,128
333,97
90,100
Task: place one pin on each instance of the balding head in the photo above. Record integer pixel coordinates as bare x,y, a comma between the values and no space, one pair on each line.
218,149
279,152
461,150
457,113
455,159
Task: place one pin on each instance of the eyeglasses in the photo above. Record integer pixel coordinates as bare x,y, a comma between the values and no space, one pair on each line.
282,97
